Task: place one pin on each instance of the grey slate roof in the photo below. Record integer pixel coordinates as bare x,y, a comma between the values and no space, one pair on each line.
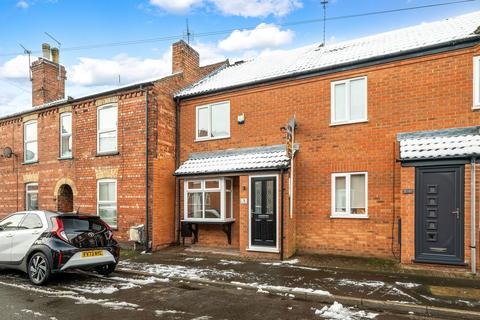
235,160
316,57
438,144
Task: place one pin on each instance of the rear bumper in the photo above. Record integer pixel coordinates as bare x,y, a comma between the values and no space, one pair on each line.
77,261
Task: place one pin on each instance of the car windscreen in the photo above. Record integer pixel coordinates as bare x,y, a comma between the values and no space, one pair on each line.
73,225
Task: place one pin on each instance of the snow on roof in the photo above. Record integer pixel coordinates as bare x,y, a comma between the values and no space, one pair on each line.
235,160
449,143
314,57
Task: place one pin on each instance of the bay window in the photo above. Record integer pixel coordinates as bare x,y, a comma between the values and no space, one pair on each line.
208,199
213,121
349,195
66,135
107,129
107,201
30,141
476,82
349,101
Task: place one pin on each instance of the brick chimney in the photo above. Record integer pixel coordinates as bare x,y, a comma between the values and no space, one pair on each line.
185,59
48,77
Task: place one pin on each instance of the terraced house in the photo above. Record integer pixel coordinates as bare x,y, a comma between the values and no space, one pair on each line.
110,153
386,145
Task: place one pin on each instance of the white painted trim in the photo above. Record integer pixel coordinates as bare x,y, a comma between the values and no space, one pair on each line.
275,249
348,215
209,107
347,82
116,199
476,82
111,105
25,141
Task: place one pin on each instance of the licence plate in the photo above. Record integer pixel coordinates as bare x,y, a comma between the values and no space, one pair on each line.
90,254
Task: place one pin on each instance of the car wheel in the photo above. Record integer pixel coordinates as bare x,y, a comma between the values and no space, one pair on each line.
39,269
106,269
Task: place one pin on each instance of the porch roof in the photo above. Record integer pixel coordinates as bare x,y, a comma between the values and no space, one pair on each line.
440,144
235,160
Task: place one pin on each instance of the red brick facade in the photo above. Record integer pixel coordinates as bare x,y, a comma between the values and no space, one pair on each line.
424,93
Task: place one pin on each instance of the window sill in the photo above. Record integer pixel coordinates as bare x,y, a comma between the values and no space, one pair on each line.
65,158
349,216
209,221
30,162
476,107
106,154
334,124
263,249
210,139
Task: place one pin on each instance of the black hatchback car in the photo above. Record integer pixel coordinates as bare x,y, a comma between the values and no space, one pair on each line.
42,243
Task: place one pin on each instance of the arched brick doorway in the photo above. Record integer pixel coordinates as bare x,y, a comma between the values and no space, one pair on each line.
65,199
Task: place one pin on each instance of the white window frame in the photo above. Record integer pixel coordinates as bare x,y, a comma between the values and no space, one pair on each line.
347,82
107,202
476,82
25,141
209,107
99,132
348,214
30,184
223,194
62,135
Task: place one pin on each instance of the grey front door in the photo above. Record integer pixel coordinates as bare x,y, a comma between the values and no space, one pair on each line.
439,218
264,211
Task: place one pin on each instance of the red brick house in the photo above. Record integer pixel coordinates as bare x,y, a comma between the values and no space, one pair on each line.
387,143
110,153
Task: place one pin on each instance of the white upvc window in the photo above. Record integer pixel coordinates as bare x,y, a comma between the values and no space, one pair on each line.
476,82
31,196
30,141
208,199
349,101
107,201
66,135
350,195
213,121
107,131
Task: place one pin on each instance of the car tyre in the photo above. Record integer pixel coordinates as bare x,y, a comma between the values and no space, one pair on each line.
106,269
39,270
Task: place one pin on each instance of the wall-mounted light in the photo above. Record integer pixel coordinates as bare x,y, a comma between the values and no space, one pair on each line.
241,118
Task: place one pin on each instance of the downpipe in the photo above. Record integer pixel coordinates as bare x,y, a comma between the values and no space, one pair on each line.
473,223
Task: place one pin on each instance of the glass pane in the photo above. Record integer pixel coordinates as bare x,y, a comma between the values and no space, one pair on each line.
202,122
340,112
108,213
66,146
270,197
212,205
32,201
107,119
357,99
31,151
212,184
228,206
11,222
106,191
258,197
32,187
228,184
340,194
194,185
32,221
220,120
194,205
357,193
66,123
31,131
107,141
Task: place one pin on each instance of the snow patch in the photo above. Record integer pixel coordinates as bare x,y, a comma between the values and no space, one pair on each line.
195,259
338,311
283,289
165,312
408,285
35,314
369,284
230,262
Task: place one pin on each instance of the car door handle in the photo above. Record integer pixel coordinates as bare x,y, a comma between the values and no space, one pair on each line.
457,213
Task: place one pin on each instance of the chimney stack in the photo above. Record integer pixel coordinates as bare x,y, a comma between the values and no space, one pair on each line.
185,59
48,77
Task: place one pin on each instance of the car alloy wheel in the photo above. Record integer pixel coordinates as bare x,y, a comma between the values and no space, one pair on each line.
38,269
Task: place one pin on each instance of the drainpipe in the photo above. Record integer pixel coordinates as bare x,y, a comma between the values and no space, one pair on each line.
177,164
281,216
473,238
147,211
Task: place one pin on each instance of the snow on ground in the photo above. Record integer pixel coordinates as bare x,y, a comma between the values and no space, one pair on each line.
35,314
230,262
289,264
267,287
354,283
195,259
113,285
167,312
338,311
408,285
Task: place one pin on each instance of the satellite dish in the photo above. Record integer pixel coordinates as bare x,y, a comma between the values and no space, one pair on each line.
7,152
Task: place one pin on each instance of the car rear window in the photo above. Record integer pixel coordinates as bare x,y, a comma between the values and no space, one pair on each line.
75,225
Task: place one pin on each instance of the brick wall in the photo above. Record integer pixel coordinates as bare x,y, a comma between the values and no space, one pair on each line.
425,93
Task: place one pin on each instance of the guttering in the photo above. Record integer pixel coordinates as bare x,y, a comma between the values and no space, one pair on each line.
281,215
176,217
473,224
147,186
407,54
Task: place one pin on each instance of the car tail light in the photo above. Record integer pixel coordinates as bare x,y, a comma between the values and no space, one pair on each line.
58,230
109,231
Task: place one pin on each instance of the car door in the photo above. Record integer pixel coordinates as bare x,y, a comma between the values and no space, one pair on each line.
7,227
29,230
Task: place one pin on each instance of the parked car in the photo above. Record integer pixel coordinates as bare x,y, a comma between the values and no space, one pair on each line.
43,243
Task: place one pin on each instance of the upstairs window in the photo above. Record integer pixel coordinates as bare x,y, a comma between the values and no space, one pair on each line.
208,200
66,135
107,129
213,121
30,145
349,195
476,82
349,101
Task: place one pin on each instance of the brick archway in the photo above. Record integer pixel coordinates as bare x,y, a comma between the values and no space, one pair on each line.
65,199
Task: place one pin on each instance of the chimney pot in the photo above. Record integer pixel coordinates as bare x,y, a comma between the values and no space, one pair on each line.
55,55
46,51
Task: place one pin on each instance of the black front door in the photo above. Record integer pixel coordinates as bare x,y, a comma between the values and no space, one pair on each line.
264,211
439,218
